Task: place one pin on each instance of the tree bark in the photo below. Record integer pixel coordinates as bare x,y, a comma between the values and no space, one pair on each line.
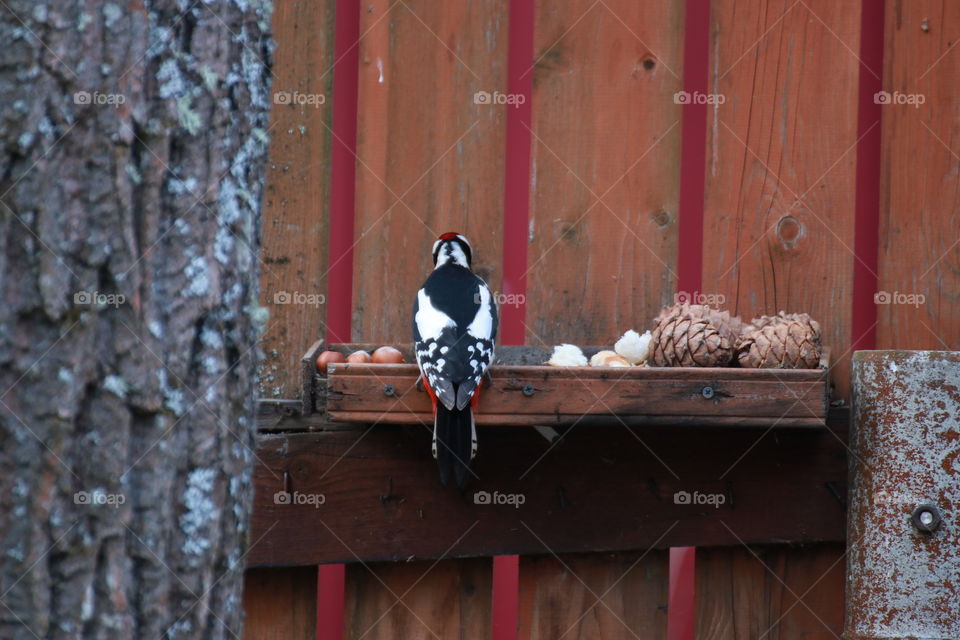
132,143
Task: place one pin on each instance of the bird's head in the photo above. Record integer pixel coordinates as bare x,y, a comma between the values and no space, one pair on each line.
452,248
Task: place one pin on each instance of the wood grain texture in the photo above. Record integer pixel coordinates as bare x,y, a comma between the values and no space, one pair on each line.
604,124
295,203
798,595
597,489
430,158
280,603
781,163
566,395
920,200
598,596
449,600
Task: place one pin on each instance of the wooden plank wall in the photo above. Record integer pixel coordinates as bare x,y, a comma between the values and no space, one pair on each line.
430,157
780,178
601,596
604,184
770,592
920,201
295,205
448,599
780,166
280,603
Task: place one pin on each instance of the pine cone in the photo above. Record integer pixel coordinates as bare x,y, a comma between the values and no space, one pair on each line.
684,336
763,321
730,326
783,344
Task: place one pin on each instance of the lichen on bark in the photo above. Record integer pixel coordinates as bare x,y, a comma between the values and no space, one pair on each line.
132,142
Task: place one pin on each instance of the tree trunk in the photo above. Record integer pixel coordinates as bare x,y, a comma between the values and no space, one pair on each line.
132,141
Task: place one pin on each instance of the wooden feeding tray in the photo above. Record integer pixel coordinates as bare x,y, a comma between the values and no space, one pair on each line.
525,392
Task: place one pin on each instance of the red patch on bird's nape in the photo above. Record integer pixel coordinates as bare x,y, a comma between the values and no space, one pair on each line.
450,235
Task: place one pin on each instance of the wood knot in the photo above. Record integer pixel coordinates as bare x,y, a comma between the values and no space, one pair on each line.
789,231
661,218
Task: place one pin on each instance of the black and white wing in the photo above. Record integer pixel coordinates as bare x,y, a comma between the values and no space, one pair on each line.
480,337
434,334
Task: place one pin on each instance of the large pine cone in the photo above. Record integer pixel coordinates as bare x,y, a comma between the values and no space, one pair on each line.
730,326
784,344
763,321
684,336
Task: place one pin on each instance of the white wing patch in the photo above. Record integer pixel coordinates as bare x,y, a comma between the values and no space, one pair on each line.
430,321
482,325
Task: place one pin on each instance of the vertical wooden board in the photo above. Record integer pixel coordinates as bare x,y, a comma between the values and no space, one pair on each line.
597,596
448,600
294,243
781,161
920,200
782,593
429,157
604,124
280,604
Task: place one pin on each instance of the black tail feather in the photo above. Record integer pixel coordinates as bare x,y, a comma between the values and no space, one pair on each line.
454,442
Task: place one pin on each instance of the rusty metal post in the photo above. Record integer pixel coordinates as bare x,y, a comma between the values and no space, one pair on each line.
903,533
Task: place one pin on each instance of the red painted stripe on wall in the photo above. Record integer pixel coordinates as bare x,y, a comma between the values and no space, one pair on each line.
330,578
681,610
516,188
330,599
696,60
506,597
866,237
343,170
516,220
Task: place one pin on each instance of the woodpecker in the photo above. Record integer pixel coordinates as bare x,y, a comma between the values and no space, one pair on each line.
454,329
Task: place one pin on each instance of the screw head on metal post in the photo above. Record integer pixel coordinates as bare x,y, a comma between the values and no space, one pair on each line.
926,518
